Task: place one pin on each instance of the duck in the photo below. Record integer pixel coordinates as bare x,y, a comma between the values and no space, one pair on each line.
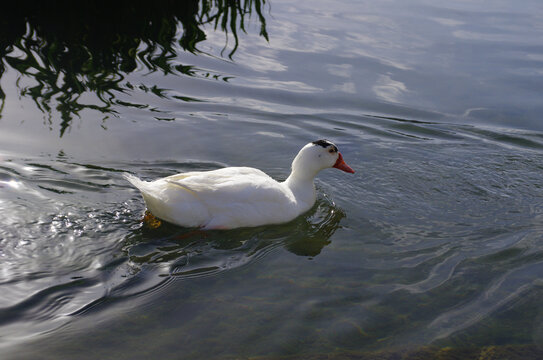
236,197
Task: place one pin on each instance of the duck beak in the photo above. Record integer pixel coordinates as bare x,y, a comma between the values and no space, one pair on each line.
341,165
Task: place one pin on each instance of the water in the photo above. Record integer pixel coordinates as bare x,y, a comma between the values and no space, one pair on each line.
435,242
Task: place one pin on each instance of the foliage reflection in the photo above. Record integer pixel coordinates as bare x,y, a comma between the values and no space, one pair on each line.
70,49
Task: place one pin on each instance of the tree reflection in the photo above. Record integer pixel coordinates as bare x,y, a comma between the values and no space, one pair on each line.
74,48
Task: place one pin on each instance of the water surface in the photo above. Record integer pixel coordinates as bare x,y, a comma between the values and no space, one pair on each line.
435,241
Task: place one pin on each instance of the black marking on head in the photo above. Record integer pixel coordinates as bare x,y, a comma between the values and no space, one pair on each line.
325,143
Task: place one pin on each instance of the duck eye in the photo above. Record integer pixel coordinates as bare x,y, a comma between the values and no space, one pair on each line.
331,151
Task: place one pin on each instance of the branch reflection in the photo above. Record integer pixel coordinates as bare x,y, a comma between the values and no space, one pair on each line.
70,49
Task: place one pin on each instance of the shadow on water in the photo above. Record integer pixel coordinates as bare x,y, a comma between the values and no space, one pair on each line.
71,50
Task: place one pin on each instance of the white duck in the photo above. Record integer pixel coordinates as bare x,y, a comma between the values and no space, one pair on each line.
235,197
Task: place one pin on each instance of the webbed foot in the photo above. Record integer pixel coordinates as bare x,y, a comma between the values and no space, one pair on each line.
151,221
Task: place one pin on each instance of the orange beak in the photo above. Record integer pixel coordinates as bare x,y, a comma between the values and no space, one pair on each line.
341,165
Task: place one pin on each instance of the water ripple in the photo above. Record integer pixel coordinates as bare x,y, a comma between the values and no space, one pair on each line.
71,245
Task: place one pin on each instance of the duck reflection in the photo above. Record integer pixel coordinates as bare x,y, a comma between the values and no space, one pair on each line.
191,253
70,49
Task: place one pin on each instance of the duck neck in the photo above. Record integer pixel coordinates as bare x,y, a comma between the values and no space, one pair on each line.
302,187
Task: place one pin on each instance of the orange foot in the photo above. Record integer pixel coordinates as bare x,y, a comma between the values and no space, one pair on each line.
151,221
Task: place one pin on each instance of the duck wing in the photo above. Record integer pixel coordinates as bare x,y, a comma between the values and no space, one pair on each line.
228,185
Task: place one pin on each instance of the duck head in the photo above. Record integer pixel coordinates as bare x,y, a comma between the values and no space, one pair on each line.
316,156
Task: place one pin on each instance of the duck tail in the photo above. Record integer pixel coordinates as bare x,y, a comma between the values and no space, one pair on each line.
134,180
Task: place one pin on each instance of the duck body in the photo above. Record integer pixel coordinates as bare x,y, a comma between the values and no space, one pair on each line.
234,197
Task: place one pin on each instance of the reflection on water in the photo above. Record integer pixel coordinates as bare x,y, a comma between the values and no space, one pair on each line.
189,253
197,252
76,56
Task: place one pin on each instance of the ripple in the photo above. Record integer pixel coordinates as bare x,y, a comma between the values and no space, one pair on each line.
510,138
72,243
48,239
498,295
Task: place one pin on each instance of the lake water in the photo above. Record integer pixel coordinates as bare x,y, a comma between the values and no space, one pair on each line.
434,245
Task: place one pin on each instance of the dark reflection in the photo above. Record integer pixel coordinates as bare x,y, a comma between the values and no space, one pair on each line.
73,48
316,231
193,252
